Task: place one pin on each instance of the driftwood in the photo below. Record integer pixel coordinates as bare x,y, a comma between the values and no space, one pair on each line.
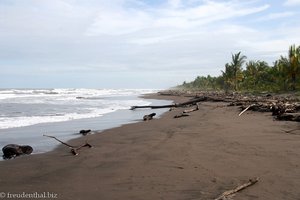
191,102
85,132
292,130
74,149
289,117
14,150
192,110
185,112
153,107
282,107
246,109
229,193
149,117
181,115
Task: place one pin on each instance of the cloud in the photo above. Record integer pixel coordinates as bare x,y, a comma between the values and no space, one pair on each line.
174,3
175,39
43,18
120,21
278,15
292,2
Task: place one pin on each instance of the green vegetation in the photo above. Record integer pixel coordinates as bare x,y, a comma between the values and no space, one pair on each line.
257,76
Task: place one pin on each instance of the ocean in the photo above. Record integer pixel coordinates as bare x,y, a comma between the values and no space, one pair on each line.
27,114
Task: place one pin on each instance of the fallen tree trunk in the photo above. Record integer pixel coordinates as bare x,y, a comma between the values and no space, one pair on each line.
289,117
181,115
152,107
74,149
228,193
191,110
191,102
14,150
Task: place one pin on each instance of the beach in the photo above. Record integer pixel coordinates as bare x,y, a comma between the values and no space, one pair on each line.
27,114
196,157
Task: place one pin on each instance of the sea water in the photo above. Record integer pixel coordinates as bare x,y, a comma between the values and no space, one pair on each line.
27,114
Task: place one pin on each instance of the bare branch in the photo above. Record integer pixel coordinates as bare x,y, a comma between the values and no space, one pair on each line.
70,146
246,109
74,149
228,193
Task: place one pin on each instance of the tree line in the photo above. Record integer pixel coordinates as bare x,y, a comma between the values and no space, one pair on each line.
254,75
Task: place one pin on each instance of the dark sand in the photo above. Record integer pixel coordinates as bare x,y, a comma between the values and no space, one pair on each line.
195,157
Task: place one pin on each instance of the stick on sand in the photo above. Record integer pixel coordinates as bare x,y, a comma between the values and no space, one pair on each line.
74,149
237,189
246,109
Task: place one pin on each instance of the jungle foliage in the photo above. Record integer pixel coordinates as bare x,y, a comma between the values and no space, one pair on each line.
254,76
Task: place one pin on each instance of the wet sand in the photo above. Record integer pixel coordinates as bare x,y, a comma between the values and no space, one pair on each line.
195,157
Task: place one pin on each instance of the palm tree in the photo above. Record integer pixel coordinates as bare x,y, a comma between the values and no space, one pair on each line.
279,73
290,66
228,75
237,62
294,66
251,73
256,74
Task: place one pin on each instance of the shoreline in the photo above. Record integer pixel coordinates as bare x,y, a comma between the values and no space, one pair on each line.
152,96
67,130
196,157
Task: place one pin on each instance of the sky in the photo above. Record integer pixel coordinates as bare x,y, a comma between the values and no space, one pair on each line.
136,43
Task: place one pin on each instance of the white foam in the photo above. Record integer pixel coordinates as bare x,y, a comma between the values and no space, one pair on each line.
41,95
14,122
89,107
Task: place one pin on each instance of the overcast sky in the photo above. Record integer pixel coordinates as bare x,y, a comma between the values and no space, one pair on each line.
136,43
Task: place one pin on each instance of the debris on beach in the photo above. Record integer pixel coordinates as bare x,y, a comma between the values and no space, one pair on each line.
74,149
181,115
14,150
149,117
228,194
193,109
188,103
282,107
85,132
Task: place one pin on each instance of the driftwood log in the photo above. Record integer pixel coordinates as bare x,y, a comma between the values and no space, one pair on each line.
193,109
181,115
292,130
185,112
14,150
191,102
225,195
289,117
74,149
149,117
281,111
85,132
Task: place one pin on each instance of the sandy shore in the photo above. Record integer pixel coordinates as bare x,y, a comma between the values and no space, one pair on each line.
195,157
